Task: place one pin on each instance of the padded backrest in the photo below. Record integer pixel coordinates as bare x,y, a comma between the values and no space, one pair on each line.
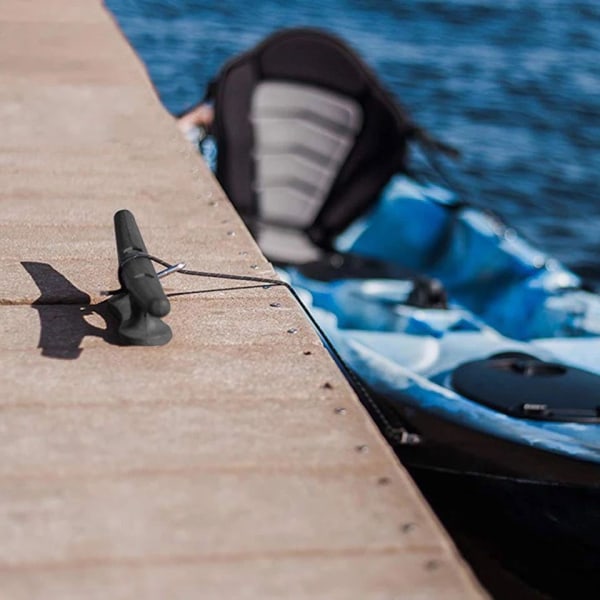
302,136
307,139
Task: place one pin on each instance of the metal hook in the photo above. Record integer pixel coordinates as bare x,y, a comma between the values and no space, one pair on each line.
171,269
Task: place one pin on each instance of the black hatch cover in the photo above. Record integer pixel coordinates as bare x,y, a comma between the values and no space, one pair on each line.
523,386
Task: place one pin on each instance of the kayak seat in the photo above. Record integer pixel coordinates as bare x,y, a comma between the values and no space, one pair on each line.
307,139
302,136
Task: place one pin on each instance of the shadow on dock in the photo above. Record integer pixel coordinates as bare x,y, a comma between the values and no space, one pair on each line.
65,313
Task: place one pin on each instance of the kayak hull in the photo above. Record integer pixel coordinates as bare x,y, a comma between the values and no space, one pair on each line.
535,512
546,534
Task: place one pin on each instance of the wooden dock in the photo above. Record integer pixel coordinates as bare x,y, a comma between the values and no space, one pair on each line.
234,462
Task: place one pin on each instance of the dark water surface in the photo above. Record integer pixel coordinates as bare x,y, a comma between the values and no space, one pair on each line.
515,84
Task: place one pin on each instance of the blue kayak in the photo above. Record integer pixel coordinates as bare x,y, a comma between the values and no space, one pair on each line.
505,298
499,388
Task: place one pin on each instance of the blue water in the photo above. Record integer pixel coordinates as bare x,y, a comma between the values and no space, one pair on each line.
515,84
